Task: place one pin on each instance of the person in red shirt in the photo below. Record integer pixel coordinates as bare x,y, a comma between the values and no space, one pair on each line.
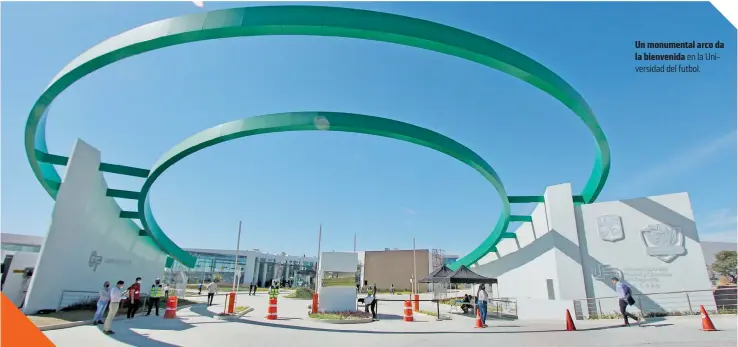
134,298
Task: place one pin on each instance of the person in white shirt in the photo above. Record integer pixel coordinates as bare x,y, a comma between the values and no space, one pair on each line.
102,303
212,289
115,297
482,302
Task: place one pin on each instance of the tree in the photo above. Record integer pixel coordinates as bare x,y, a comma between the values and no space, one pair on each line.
725,264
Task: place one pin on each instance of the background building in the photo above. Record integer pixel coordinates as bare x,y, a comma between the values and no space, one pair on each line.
211,263
10,244
254,266
395,267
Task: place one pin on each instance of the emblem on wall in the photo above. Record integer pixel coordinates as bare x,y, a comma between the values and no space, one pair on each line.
663,241
610,228
95,261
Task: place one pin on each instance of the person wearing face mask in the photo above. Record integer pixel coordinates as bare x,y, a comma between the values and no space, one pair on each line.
154,296
115,297
134,296
102,303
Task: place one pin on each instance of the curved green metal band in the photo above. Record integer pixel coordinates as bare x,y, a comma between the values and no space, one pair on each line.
316,21
305,121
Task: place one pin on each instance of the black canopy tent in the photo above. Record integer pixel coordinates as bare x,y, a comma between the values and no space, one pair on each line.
464,275
438,275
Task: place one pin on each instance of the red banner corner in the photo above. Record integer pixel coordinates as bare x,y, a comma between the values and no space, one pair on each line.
16,330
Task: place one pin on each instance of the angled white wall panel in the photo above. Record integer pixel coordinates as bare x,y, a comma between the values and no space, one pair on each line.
87,243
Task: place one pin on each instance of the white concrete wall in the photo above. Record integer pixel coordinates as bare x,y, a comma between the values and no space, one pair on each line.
522,272
563,243
538,309
84,221
628,258
562,220
337,299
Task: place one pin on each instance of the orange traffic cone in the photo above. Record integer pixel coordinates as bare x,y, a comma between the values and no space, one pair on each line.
706,321
408,311
171,310
479,320
569,322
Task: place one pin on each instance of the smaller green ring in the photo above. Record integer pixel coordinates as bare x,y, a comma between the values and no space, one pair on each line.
310,121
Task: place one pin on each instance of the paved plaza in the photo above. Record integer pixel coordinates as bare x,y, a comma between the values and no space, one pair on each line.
197,326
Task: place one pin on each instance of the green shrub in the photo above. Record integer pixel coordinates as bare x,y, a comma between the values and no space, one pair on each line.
301,293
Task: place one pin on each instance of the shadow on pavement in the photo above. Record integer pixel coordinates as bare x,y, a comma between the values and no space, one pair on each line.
124,330
202,310
480,331
384,316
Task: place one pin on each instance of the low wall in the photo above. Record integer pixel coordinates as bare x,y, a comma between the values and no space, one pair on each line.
541,309
337,299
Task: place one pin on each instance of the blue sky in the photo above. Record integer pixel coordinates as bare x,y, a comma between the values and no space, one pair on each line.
668,132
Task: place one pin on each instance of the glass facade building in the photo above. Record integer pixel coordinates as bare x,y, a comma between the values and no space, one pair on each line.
214,266
256,267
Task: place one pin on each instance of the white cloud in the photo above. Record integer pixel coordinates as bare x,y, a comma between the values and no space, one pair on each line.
681,162
720,226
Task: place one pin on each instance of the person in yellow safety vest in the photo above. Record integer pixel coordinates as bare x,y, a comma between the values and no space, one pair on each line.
155,295
273,290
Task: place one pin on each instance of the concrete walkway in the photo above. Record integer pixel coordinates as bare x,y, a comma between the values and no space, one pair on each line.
197,326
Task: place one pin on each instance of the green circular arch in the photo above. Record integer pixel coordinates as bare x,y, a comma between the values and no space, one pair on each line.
315,21
326,121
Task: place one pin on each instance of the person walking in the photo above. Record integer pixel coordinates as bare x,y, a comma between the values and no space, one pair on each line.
134,295
625,298
392,289
199,289
102,303
482,303
155,295
251,287
115,298
212,289
166,291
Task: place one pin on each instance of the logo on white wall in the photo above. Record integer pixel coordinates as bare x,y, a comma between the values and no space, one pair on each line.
603,272
95,261
663,241
610,228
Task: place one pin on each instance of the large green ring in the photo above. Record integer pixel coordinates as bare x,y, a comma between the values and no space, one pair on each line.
318,21
304,121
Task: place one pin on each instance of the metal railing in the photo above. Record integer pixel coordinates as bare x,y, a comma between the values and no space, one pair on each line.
71,298
501,307
75,297
680,303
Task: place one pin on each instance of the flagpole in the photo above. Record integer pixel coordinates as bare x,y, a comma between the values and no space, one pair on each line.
354,242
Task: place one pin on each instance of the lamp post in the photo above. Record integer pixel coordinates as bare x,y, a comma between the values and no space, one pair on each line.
317,266
415,274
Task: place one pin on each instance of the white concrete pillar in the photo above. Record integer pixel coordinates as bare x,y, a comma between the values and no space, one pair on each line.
569,279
